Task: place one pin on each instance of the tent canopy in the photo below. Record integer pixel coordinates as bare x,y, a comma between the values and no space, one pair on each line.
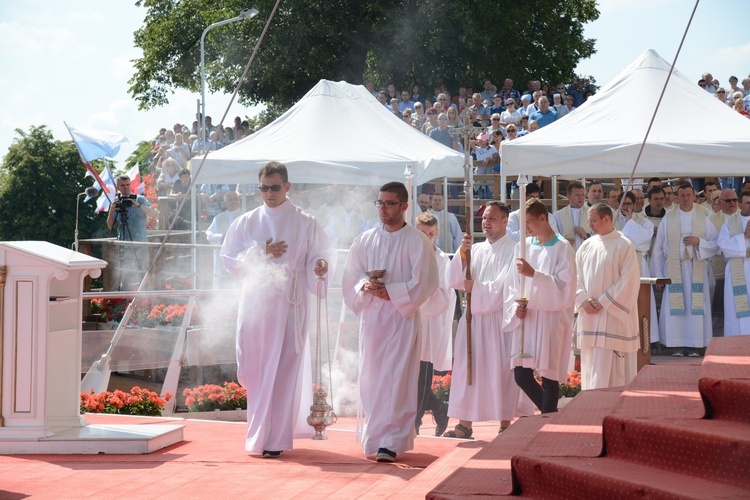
694,134
336,134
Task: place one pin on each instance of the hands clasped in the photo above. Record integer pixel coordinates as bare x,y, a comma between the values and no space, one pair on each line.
374,287
592,306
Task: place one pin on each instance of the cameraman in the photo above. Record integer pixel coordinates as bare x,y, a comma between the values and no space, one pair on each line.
130,212
131,209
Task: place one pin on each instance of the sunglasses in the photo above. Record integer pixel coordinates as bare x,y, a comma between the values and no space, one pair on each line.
275,188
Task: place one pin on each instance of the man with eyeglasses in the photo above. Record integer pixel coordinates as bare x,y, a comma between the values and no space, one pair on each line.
728,206
441,133
640,231
390,324
278,251
734,242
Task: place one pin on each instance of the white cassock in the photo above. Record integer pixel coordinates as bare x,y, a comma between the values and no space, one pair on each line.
608,272
685,330
215,235
389,330
449,241
273,355
734,246
641,233
437,319
493,394
549,320
514,230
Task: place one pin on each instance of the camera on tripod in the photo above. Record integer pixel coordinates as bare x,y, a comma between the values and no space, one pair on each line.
122,203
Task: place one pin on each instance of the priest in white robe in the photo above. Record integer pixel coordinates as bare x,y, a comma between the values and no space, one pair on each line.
216,232
436,351
391,322
734,241
548,276
493,394
572,220
607,301
450,239
640,230
278,251
685,242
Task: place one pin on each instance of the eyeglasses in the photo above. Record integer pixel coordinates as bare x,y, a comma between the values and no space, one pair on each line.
442,119
496,119
511,131
730,200
560,88
275,188
387,204
702,85
720,92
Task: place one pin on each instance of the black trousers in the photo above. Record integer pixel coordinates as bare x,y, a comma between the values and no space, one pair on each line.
545,396
426,399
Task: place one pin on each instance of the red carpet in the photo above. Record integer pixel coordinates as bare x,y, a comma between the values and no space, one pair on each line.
679,430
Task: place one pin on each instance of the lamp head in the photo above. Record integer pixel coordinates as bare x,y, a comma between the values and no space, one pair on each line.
249,13
522,180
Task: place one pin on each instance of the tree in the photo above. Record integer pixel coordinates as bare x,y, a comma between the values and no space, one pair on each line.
424,41
40,179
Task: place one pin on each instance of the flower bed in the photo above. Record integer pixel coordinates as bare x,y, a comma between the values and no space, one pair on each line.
137,402
211,397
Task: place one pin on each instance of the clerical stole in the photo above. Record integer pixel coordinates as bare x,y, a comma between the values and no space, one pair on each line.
676,257
568,224
737,271
718,263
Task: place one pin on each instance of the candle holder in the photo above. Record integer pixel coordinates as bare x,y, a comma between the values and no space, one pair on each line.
522,354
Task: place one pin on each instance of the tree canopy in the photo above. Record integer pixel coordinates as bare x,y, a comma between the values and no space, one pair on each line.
428,42
39,181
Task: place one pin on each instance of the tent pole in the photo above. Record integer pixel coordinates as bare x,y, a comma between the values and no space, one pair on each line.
502,188
553,179
446,231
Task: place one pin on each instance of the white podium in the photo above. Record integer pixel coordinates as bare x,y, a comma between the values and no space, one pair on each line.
41,288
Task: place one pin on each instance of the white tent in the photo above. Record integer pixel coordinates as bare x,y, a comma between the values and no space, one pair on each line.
694,134
336,134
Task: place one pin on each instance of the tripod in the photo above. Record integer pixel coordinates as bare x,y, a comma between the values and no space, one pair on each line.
129,260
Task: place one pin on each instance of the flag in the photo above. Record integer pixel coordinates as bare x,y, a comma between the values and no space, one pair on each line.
104,200
94,144
136,184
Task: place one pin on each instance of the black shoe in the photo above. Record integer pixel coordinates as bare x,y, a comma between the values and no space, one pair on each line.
385,455
441,418
271,454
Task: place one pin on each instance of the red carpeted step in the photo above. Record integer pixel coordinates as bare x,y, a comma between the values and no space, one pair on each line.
488,472
712,449
669,390
577,429
562,478
725,379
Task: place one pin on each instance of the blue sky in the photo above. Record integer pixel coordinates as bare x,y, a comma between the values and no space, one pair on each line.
70,60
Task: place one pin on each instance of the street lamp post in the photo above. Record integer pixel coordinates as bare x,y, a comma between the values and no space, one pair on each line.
202,120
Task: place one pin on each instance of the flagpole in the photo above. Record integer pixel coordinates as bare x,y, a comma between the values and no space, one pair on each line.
88,165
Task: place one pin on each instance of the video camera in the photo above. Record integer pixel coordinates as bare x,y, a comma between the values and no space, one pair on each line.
122,203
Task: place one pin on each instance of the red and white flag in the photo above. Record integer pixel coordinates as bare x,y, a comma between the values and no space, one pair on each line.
136,184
